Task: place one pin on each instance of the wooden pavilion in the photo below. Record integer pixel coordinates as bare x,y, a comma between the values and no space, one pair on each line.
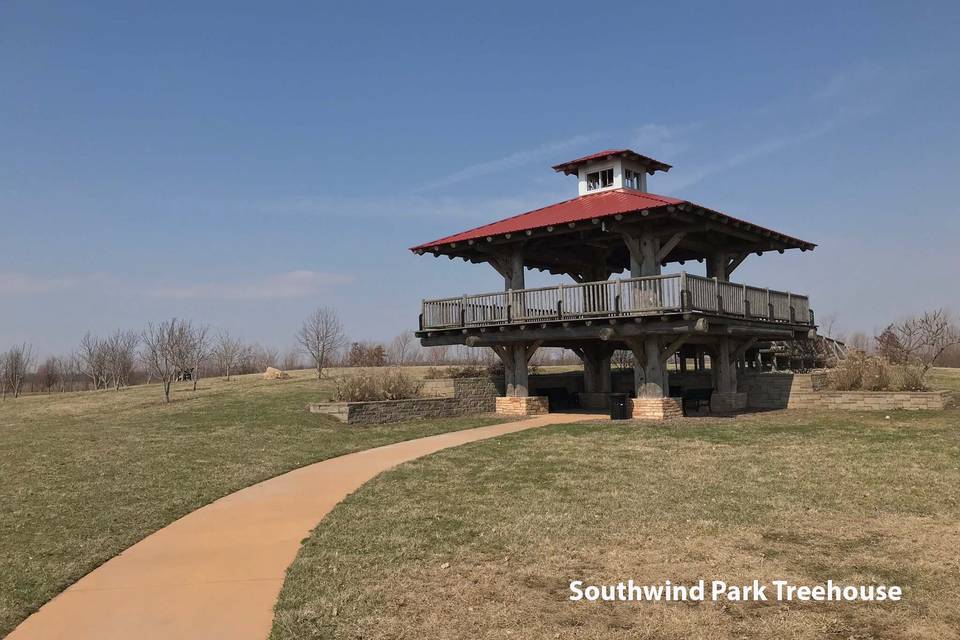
615,225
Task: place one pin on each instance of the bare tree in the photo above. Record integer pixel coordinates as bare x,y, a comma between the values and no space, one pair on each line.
259,358
859,342
321,336
438,355
622,359
120,350
16,365
3,376
197,350
403,349
923,339
163,348
69,371
292,360
228,353
49,374
93,360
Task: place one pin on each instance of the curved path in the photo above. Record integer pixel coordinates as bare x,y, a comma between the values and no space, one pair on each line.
217,572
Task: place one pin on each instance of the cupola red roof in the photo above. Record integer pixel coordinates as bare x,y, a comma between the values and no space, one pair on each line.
652,166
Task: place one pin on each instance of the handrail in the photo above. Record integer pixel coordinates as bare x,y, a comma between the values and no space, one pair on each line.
613,298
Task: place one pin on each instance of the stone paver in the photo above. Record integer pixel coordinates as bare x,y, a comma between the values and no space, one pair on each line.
217,572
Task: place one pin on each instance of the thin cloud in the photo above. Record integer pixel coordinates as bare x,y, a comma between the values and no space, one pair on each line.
766,148
411,206
25,284
293,284
663,141
516,159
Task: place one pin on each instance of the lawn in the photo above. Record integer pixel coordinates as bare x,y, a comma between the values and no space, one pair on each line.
482,541
85,475
943,378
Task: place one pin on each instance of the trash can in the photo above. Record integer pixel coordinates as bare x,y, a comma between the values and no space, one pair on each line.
618,406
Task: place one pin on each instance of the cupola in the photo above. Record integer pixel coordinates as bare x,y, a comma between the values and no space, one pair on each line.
612,169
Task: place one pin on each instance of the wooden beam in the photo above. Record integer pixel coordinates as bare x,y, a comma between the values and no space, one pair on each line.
669,245
638,347
671,348
742,349
735,262
532,348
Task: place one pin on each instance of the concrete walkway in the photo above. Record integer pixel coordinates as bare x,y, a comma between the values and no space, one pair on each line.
217,572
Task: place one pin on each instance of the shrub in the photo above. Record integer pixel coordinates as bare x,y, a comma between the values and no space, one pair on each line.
859,371
390,384
875,375
464,371
394,384
848,374
908,378
358,387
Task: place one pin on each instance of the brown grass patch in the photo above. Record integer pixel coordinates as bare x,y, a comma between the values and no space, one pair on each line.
482,541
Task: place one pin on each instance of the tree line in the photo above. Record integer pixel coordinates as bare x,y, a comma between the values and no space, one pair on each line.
180,349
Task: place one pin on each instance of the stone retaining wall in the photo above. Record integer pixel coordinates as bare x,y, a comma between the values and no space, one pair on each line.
809,391
883,400
469,396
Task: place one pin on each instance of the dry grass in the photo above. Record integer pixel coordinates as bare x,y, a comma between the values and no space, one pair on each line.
481,541
85,475
944,378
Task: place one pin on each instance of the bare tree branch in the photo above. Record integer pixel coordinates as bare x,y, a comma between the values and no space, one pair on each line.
321,336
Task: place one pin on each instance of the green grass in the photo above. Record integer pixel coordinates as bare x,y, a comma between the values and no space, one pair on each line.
85,475
481,541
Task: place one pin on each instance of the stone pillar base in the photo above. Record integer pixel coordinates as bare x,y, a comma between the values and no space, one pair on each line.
727,402
522,405
655,408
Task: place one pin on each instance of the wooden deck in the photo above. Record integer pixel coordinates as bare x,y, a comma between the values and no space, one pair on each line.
629,297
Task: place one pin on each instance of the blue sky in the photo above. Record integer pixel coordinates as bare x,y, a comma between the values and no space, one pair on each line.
241,163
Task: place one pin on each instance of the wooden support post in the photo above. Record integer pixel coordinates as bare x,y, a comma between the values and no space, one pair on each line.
509,264
650,374
725,367
521,384
644,250
596,367
717,266
516,269
509,371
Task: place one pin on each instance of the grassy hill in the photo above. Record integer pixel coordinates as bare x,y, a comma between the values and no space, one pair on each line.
85,475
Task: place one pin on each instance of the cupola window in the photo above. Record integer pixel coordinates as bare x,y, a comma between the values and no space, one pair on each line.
632,179
600,179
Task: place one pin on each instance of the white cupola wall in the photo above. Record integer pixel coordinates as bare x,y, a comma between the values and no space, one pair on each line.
615,173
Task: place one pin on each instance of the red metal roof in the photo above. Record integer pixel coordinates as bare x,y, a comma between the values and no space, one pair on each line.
571,166
588,207
594,205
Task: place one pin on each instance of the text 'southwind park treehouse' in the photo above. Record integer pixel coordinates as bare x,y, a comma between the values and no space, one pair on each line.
615,225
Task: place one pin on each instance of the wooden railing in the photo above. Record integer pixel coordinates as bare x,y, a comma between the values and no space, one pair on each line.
614,298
